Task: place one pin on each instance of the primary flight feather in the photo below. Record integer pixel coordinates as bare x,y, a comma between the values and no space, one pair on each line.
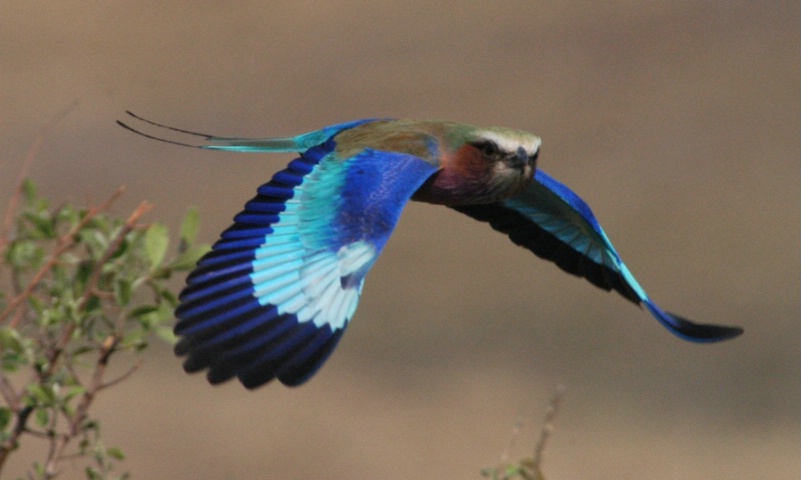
274,295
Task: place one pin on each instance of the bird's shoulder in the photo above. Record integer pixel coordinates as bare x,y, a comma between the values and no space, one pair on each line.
426,139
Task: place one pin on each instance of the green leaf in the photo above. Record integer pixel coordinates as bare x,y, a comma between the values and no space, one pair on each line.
42,394
10,340
156,242
134,340
5,417
24,255
122,291
115,453
189,228
73,391
92,474
83,270
142,310
43,225
29,192
69,214
42,417
165,333
169,297
189,257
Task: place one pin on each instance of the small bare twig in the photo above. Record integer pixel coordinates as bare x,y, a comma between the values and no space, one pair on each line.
14,202
121,378
548,424
8,394
528,468
11,442
512,441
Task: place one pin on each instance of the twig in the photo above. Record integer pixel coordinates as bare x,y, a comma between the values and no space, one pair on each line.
60,443
548,425
108,347
130,224
512,441
11,442
64,243
50,469
529,468
121,378
13,203
8,393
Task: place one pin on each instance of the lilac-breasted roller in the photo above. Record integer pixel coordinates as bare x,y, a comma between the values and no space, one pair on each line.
274,295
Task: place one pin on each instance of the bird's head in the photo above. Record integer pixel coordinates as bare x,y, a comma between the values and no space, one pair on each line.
476,165
481,165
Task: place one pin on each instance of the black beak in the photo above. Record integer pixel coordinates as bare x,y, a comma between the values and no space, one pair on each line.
520,158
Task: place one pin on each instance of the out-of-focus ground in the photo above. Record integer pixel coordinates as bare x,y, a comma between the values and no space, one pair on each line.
677,121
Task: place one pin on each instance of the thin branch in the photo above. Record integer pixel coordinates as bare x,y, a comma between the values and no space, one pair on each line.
64,243
11,442
548,424
52,449
14,202
130,224
121,378
8,393
76,420
109,346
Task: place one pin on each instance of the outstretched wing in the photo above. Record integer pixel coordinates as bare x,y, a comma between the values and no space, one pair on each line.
553,222
273,297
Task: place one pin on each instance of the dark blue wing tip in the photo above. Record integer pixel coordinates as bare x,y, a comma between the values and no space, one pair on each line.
702,333
268,347
688,330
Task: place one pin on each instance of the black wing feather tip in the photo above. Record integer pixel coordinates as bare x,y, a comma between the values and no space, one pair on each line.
702,332
305,364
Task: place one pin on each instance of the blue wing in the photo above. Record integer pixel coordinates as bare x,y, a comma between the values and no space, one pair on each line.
553,222
274,295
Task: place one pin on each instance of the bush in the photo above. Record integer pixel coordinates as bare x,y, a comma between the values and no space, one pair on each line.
81,286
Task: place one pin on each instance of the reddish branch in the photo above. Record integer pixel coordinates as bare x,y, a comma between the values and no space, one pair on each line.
13,203
63,244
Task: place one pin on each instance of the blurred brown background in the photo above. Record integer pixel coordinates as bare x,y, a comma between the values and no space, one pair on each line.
677,121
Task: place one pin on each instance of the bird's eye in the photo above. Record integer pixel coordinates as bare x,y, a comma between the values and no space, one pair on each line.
489,149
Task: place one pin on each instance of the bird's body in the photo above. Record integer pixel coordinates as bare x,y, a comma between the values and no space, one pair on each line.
274,295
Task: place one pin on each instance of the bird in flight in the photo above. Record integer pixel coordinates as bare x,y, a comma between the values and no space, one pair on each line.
274,295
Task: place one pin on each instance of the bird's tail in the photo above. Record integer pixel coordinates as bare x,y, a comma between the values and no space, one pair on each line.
299,143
